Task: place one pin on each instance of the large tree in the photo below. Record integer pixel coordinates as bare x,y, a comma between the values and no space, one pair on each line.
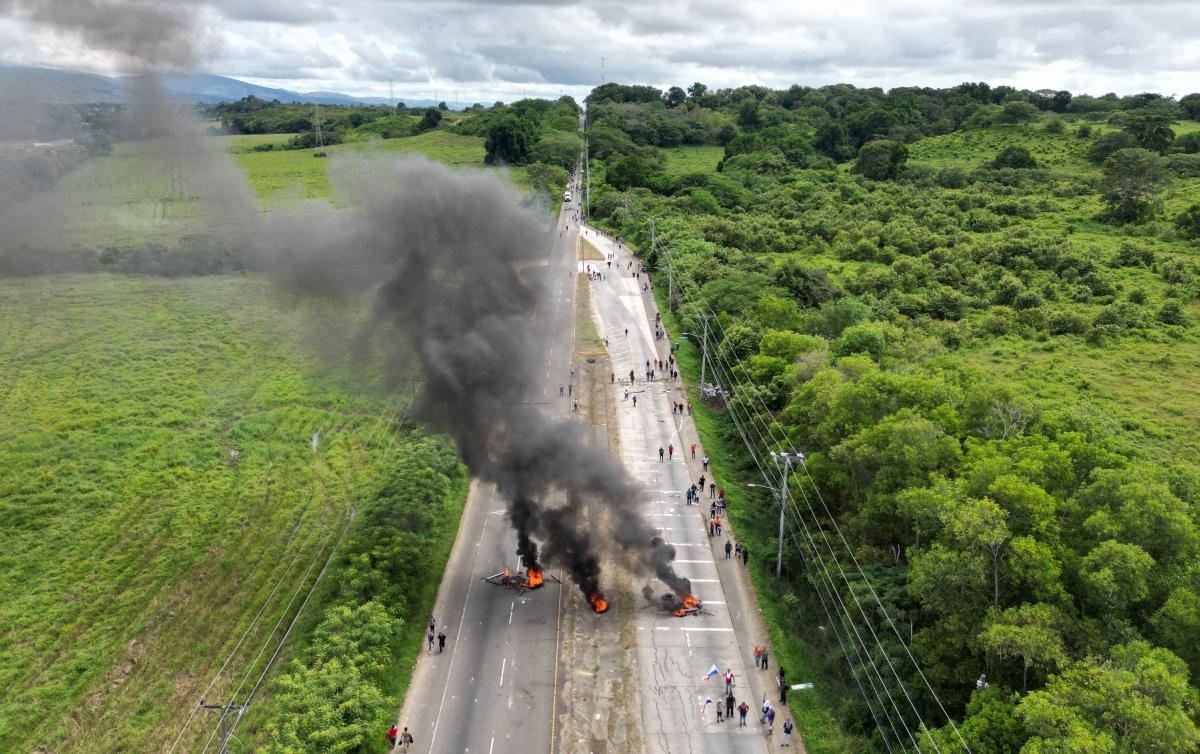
1132,177
1151,131
508,142
881,159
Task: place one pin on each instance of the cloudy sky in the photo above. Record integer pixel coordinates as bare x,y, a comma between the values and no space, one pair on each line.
482,50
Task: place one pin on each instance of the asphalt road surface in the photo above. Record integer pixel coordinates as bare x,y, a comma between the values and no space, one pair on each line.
493,690
674,654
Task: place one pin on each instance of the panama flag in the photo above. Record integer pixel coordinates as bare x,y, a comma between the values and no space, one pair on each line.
711,672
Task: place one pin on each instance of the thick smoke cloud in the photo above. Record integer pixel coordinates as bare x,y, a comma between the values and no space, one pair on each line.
450,259
150,35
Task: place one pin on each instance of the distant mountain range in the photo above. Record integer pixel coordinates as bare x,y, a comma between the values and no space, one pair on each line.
75,87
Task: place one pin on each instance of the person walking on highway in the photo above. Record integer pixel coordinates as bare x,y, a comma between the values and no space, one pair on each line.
766,707
635,401
560,389
660,454
441,641
729,681
728,549
706,463
671,452
406,740
745,555
693,450
717,522
743,708
788,727
720,711
765,660
429,636
771,722
712,489
729,700
391,736
757,655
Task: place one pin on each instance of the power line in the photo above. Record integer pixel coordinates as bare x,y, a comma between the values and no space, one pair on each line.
755,394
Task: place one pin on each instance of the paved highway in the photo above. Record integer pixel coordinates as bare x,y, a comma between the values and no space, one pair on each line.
493,690
673,653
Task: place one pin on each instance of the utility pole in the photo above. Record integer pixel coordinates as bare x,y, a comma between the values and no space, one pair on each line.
703,351
319,142
226,711
392,96
601,69
785,461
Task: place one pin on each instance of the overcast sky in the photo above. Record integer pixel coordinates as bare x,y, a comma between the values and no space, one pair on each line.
469,50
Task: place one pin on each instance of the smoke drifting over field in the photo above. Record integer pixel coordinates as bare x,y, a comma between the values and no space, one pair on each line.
450,259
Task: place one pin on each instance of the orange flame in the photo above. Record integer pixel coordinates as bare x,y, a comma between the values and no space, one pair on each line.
679,613
689,602
535,578
599,604
507,574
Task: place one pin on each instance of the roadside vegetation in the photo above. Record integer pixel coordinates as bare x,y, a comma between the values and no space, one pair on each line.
974,309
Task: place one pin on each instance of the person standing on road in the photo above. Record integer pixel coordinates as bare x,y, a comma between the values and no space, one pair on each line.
693,450
406,739
720,711
430,638
671,452
743,708
771,722
745,555
717,521
391,736
729,701
635,401
728,549
560,389
660,454
441,641
787,733
766,706
758,655
765,660
729,681
737,551
706,463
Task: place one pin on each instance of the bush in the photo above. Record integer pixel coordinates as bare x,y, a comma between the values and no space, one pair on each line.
1065,323
1132,255
1014,157
1188,222
881,159
1109,143
1171,313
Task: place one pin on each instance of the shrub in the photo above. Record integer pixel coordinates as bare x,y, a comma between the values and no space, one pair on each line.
1133,255
1109,143
1014,157
1065,323
1188,222
1171,313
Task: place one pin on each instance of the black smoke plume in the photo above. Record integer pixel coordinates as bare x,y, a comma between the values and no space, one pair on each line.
450,260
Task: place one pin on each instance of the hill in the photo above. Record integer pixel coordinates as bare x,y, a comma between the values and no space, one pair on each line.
74,87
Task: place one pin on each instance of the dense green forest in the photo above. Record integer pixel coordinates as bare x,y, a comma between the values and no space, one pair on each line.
974,310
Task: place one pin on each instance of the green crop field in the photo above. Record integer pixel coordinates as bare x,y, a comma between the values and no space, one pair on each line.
137,548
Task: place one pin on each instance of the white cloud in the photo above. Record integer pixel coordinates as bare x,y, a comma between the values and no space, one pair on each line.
486,49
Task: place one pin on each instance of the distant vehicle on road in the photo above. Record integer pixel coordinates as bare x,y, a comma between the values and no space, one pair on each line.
566,197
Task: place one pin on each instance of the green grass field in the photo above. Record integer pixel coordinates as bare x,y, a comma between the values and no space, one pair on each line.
136,549
683,160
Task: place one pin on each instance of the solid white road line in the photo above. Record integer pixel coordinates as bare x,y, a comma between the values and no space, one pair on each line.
503,664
